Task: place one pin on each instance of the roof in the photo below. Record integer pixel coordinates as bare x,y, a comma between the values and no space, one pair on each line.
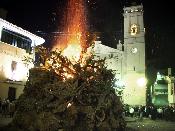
36,40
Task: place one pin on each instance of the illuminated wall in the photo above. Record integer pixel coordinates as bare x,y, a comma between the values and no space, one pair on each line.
134,55
171,91
114,58
4,88
12,68
134,93
130,63
12,65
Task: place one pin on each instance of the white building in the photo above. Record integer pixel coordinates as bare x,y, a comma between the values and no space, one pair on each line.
171,91
130,62
16,44
171,88
159,91
163,90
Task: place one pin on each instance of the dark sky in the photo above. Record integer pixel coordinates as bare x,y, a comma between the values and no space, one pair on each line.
104,16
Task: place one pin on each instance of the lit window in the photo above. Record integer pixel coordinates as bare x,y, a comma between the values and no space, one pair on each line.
13,69
13,65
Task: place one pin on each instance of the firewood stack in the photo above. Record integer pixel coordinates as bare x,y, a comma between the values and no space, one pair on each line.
84,102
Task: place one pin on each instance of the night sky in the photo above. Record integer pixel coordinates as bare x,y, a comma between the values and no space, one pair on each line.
104,16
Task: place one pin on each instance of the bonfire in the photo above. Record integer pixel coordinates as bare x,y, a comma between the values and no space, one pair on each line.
69,90
66,96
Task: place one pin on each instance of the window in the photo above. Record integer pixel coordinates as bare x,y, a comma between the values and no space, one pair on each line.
12,93
13,70
13,65
16,39
172,89
134,68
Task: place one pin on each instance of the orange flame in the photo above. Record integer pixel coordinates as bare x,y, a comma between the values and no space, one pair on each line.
73,42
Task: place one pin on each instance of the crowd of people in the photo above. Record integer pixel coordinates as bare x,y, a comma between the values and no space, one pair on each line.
7,108
153,112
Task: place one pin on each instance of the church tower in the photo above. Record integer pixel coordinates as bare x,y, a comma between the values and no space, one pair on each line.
134,53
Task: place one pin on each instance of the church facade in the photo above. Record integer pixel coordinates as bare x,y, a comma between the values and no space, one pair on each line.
128,60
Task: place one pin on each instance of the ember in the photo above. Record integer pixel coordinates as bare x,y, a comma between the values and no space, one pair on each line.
75,26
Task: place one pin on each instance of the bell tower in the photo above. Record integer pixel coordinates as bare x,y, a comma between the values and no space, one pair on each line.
134,53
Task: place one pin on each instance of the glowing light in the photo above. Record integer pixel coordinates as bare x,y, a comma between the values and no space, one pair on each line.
159,76
134,29
17,75
72,52
75,28
68,75
119,84
68,105
134,50
141,82
72,40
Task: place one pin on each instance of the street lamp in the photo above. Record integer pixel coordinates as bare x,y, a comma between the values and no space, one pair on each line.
141,82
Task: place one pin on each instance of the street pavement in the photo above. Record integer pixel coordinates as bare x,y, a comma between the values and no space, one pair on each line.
133,124
4,120
147,124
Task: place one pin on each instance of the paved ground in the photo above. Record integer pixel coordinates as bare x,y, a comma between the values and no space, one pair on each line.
4,120
132,124
150,125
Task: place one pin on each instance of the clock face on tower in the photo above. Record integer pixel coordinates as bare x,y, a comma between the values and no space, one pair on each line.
134,29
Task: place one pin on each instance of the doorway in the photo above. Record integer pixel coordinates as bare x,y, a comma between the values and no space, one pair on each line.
12,93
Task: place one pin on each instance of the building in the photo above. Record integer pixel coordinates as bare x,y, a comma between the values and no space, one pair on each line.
163,89
159,91
114,58
171,91
129,58
16,45
171,87
134,53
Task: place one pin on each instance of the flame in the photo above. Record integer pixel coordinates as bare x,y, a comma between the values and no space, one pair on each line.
73,52
69,104
73,39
